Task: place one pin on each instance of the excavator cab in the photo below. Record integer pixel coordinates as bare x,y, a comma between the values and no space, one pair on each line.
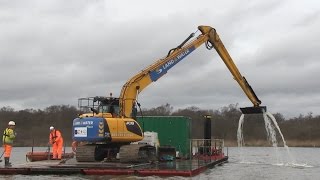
108,104
99,105
254,110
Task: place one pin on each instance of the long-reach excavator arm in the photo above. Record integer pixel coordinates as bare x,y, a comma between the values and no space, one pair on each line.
108,131
152,73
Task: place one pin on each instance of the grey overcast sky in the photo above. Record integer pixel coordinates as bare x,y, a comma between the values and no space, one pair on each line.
53,52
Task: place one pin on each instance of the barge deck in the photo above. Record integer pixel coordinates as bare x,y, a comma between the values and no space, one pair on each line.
179,167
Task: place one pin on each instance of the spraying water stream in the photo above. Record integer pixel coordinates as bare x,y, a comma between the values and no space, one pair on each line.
240,139
270,126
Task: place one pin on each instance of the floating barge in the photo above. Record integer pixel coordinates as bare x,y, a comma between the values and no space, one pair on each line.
205,154
179,167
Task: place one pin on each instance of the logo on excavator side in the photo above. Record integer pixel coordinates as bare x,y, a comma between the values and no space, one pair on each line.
156,74
129,123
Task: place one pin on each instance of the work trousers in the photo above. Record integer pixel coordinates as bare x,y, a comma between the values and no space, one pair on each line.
57,149
7,150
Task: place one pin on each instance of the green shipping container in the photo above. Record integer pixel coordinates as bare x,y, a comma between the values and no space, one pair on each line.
172,130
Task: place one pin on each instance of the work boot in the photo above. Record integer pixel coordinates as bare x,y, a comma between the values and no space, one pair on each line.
6,162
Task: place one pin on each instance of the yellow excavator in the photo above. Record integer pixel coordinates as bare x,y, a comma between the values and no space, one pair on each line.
107,129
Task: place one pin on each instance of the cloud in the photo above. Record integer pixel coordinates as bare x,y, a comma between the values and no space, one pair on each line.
53,52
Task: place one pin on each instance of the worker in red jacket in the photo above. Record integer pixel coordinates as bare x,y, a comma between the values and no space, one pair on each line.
55,138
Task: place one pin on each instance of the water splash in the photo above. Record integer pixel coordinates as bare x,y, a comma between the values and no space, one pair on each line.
269,115
272,137
240,139
239,133
270,125
295,165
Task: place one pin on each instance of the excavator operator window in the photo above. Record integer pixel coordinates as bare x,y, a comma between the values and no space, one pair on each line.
113,109
104,109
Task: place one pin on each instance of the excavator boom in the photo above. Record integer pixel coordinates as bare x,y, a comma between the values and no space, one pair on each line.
155,71
215,40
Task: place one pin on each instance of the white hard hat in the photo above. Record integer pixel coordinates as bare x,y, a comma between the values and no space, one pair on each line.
11,123
51,128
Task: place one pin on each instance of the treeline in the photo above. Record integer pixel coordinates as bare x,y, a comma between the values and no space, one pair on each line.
33,125
303,130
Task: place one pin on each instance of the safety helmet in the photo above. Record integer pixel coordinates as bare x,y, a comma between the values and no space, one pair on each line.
11,123
51,128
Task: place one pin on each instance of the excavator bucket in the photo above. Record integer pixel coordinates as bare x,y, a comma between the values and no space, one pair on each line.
254,110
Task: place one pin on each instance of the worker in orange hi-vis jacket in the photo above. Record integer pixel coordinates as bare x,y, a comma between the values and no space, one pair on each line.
55,138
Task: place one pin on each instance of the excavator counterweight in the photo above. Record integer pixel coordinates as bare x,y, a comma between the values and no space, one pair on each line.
254,110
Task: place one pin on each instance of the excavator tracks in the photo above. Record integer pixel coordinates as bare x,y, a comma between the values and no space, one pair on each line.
137,153
86,153
132,153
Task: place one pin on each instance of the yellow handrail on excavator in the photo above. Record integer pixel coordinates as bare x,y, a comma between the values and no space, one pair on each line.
209,36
